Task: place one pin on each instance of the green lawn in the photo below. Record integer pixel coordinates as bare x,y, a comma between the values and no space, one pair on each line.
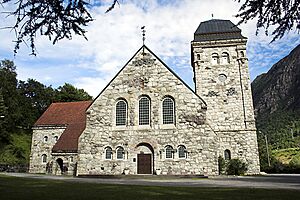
28,188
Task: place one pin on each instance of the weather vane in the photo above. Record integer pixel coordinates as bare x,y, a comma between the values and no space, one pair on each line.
143,34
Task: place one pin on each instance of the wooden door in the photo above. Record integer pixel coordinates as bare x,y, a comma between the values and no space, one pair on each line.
144,163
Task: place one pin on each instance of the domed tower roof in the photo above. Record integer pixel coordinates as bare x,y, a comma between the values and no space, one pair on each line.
217,29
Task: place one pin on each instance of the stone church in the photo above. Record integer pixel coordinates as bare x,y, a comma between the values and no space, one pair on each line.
149,121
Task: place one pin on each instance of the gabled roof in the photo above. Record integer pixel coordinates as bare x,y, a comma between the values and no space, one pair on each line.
168,68
217,29
69,114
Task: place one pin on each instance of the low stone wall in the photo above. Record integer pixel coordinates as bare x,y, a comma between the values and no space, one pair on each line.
13,168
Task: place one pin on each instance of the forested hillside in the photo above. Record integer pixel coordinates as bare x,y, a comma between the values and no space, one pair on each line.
21,104
276,96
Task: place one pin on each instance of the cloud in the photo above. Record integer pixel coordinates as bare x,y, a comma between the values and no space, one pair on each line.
113,39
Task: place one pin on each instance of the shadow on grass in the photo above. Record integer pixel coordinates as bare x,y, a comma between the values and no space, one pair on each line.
28,188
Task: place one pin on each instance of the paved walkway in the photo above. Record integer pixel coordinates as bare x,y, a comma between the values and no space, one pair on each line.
282,181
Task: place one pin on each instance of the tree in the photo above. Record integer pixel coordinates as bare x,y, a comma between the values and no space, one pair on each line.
68,93
60,19
284,15
35,98
8,87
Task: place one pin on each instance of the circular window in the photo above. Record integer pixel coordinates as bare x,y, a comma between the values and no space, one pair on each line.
222,77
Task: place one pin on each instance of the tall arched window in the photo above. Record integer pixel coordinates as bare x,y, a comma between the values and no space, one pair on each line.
120,153
45,138
227,154
121,113
55,138
225,58
215,59
44,158
168,109
108,153
144,111
169,151
181,151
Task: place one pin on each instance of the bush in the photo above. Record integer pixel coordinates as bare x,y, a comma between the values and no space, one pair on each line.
236,167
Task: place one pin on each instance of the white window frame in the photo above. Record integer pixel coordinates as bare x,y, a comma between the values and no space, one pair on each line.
44,158
173,111
171,149
225,58
185,154
111,153
149,111
123,153
116,113
215,59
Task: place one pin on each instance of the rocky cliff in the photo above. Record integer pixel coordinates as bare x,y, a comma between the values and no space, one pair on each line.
279,88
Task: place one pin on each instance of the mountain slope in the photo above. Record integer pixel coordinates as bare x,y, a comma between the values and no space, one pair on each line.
279,88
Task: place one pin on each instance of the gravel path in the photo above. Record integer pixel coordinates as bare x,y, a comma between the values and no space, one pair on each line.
271,181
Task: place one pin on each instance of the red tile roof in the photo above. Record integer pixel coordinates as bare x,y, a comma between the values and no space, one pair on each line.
71,114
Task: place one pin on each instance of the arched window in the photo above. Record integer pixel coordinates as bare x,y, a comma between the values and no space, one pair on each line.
225,58
121,113
44,158
227,154
108,153
169,151
45,138
181,151
198,56
168,109
55,138
242,54
120,153
215,59
144,111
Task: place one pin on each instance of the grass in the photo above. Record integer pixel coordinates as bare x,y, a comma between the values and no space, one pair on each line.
286,155
28,188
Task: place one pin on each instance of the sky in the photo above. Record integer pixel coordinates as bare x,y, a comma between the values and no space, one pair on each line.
113,38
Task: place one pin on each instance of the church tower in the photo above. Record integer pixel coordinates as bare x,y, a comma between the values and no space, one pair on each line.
222,79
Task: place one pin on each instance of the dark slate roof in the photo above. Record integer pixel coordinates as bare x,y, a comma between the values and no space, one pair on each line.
70,114
217,29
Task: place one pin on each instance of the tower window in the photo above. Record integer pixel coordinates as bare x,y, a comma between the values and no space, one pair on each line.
44,158
227,154
55,138
198,56
242,54
144,111
121,113
45,138
225,58
108,153
168,110
215,59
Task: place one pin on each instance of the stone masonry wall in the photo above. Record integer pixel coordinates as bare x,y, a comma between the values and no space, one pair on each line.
225,87
39,147
146,75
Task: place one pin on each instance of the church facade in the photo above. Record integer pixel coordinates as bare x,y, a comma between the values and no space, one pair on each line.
148,121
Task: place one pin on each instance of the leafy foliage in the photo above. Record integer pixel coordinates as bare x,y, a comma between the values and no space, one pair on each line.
56,19
283,14
236,167
21,104
221,164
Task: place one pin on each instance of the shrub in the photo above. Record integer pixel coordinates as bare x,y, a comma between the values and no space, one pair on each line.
236,167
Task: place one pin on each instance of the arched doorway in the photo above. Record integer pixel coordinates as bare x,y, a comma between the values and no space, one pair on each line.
145,158
60,164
